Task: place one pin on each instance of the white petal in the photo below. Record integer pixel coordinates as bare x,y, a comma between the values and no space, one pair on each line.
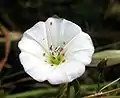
69,31
38,33
60,31
53,29
80,48
57,76
31,46
73,69
36,68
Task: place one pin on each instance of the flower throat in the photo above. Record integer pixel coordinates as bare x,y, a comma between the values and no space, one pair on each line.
56,56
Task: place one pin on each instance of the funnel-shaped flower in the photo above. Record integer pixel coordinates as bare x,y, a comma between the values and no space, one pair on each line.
56,50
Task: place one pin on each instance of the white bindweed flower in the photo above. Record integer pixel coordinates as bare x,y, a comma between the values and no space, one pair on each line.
56,50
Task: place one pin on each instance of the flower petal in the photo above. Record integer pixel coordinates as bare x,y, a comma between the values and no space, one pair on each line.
35,67
57,76
69,31
60,31
38,33
70,36
80,48
31,46
53,29
73,69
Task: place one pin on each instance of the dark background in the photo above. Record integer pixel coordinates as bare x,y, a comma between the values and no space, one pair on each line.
99,18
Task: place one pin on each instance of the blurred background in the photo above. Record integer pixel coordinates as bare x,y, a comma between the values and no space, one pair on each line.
99,18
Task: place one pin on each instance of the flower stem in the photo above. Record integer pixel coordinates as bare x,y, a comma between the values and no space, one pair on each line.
68,91
76,85
62,90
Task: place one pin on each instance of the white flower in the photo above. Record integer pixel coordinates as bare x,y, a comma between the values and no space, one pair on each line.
56,50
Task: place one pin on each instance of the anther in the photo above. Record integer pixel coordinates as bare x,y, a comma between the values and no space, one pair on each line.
63,61
55,48
61,49
58,53
52,53
51,47
63,54
43,54
58,48
53,57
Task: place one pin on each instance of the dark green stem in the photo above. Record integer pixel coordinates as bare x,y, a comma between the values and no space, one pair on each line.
68,91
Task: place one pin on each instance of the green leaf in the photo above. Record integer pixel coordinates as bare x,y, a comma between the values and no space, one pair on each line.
112,56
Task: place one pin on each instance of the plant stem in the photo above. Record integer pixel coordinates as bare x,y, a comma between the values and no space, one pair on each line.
33,93
68,91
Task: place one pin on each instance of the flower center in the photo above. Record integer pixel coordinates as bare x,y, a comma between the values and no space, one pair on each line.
56,56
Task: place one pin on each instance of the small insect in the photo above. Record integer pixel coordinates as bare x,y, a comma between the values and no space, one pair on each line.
64,43
50,23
